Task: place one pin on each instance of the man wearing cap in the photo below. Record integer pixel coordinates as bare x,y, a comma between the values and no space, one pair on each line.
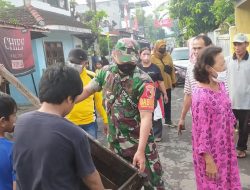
163,60
83,114
129,100
238,76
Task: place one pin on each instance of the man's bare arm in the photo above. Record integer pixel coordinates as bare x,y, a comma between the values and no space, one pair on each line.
14,185
93,181
186,106
146,125
85,94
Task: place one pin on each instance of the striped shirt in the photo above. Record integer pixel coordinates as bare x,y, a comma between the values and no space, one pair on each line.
190,82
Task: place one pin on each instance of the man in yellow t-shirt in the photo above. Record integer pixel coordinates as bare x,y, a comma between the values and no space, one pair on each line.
83,114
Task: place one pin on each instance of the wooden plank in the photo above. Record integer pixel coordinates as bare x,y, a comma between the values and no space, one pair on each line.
19,86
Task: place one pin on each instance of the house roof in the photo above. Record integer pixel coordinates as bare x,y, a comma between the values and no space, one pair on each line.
31,16
16,17
241,3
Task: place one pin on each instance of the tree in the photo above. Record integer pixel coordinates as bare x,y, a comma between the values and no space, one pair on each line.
104,43
223,10
93,19
151,32
5,4
193,16
146,26
201,16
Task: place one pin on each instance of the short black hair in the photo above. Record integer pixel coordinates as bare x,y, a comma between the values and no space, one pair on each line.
143,49
205,38
7,106
58,83
205,58
77,55
99,62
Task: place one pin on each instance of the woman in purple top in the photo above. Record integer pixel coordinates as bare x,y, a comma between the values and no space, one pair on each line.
214,154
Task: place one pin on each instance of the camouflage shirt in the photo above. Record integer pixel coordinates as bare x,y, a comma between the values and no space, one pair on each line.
124,98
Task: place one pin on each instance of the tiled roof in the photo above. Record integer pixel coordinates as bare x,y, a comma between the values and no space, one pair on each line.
30,16
51,18
19,16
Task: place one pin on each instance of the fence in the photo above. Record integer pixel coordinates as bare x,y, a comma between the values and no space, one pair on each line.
222,41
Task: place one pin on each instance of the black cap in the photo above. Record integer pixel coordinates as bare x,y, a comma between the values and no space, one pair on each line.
77,55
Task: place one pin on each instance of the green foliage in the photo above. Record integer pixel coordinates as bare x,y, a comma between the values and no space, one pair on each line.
103,43
140,14
223,11
93,19
201,16
147,25
151,32
193,16
4,4
13,21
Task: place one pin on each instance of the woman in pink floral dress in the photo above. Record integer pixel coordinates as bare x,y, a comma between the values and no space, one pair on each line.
214,154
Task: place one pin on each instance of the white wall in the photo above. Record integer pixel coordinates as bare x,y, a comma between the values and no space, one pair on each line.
45,6
41,5
111,7
17,3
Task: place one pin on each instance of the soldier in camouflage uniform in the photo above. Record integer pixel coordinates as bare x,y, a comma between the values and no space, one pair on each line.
129,101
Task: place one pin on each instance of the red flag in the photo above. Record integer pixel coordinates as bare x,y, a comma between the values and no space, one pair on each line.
126,14
136,24
157,24
167,22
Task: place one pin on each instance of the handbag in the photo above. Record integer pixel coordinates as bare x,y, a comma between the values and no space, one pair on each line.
167,69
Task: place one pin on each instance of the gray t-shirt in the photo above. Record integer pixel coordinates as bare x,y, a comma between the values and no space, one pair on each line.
50,153
238,78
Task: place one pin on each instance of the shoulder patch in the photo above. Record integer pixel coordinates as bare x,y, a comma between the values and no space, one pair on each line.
146,101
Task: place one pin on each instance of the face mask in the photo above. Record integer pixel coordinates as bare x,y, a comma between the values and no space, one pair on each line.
220,76
76,67
162,50
126,68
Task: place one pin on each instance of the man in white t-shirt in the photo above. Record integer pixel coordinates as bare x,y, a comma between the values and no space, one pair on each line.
199,42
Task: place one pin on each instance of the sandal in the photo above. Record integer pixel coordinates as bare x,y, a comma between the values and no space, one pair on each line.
241,154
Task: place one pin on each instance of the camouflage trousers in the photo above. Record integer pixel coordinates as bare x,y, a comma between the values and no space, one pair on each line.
127,150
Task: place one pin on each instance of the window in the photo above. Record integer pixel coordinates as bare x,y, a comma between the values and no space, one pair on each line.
54,53
180,54
63,4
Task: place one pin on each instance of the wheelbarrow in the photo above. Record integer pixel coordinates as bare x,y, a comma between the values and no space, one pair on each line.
116,173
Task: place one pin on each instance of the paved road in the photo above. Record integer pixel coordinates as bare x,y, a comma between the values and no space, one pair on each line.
176,152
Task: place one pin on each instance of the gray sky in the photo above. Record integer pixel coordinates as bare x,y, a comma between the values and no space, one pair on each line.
154,3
